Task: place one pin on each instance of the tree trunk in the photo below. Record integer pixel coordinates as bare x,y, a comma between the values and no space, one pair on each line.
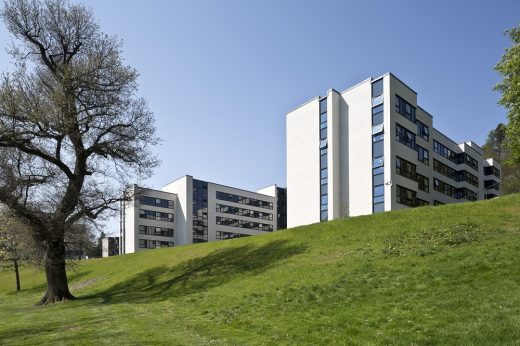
16,272
57,285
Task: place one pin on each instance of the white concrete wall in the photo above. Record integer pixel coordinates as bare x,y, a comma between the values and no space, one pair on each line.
303,165
359,102
183,188
334,154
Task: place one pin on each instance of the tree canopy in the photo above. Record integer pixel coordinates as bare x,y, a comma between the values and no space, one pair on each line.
509,87
73,132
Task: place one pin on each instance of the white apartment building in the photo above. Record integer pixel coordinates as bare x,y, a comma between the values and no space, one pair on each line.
371,148
190,211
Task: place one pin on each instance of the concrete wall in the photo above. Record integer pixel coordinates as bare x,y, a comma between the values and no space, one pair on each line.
183,188
303,165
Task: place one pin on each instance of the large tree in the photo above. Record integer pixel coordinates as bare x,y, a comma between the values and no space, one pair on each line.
509,68
73,133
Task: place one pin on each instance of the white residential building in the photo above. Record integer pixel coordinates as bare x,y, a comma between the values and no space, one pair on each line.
190,211
371,148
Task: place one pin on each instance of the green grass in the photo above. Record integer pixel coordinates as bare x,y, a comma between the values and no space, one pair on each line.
425,276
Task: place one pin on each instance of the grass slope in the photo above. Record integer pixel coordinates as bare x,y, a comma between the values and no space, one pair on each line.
432,275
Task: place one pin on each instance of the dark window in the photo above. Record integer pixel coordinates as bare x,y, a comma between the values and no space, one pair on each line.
229,235
404,136
156,202
229,197
435,202
421,202
423,155
405,168
159,231
491,170
406,196
227,209
423,183
226,221
404,108
422,130
155,215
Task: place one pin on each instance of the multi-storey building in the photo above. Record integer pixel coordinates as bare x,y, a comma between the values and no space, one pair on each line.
193,211
110,246
371,148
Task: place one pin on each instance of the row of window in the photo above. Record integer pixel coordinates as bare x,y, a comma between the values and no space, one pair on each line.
407,138
229,235
408,111
324,197
378,144
409,170
491,184
221,208
491,170
154,244
454,174
442,150
229,197
408,197
457,193
404,108
226,221
200,211
156,202
155,215
159,231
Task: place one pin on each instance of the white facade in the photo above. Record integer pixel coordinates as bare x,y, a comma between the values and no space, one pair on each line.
346,152
189,211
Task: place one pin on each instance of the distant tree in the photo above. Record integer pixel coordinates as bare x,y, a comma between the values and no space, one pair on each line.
73,133
497,148
509,68
16,245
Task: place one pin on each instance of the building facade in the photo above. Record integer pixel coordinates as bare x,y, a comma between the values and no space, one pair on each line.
371,148
190,211
110,246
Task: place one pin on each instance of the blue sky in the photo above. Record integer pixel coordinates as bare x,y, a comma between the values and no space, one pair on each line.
221,75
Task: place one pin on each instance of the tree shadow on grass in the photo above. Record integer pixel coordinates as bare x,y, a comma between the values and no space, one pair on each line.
198,274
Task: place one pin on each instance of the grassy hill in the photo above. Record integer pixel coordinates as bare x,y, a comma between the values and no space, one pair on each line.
431,275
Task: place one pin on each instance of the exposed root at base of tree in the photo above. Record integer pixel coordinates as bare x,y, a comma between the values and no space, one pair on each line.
52,298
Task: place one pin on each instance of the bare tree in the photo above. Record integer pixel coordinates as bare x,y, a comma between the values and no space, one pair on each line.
16,245
73,133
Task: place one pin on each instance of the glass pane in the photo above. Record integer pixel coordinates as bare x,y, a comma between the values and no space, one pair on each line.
377,101
378,138
378,109
323,133
379,199
378,162
323,143
379,179
377,129
379,190
379,170
377,118
378,149
379,207
323,105
323,173
377,88
323,189
324,199
323,118
323,161
324,215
